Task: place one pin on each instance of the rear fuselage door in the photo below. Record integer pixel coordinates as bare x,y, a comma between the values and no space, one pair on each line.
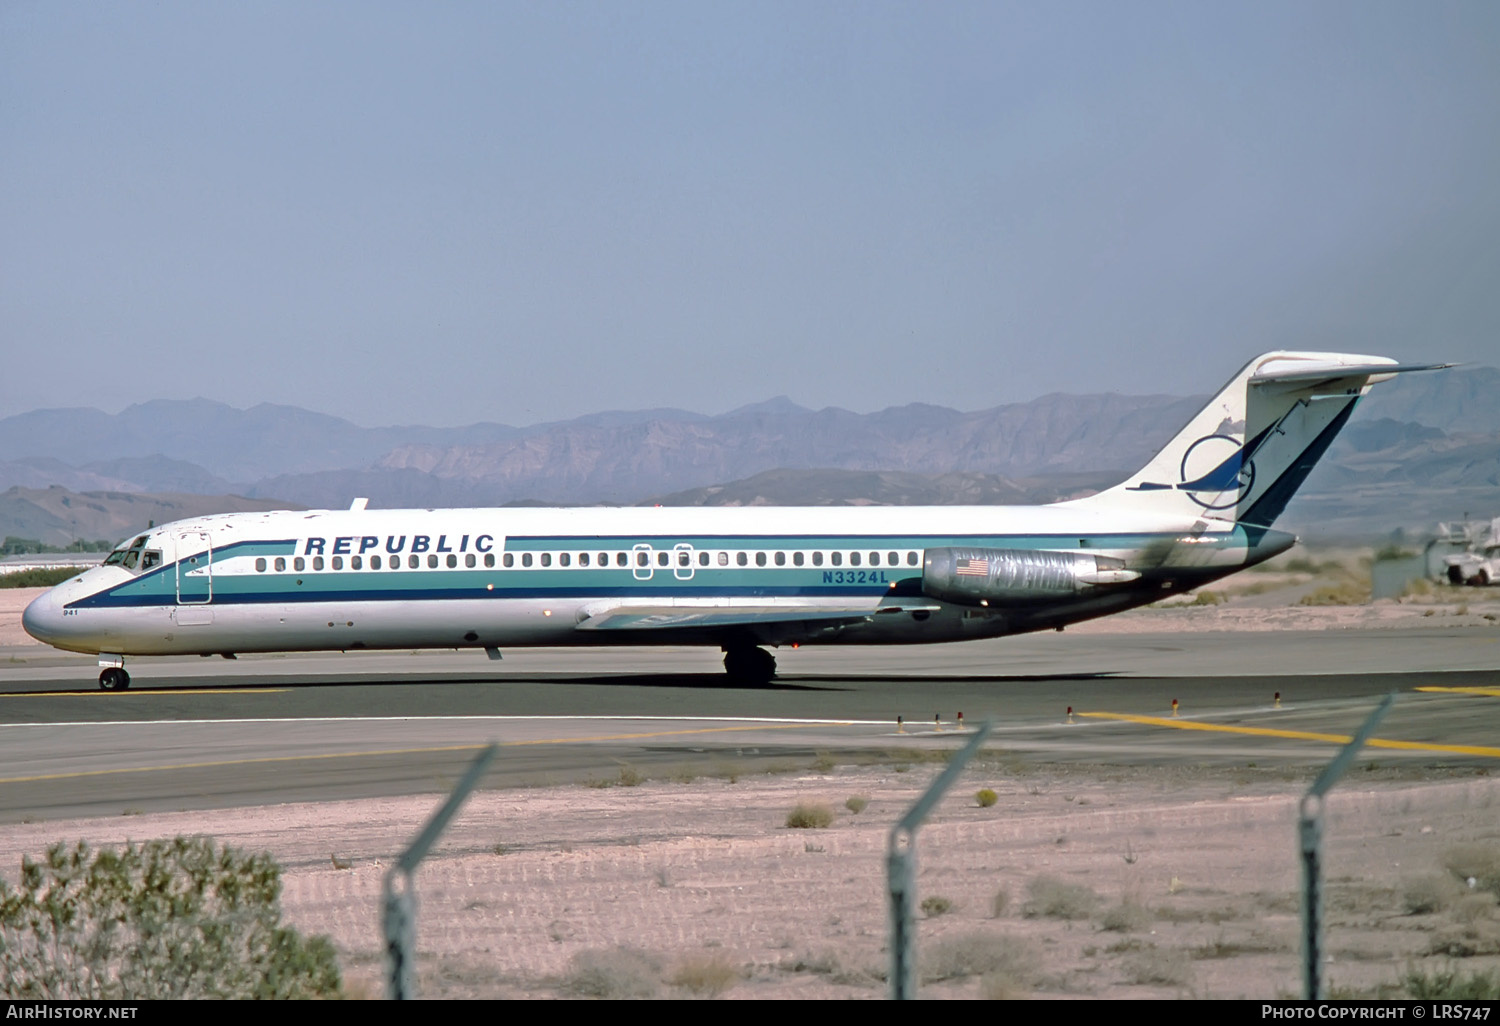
195,568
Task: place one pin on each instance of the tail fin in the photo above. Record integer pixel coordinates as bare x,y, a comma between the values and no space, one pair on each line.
1244,455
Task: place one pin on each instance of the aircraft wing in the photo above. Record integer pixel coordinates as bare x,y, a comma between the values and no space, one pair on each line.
646,618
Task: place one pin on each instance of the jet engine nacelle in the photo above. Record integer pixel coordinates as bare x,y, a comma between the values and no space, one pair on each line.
988,577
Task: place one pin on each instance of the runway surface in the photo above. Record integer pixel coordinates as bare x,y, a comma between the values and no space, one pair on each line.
194,733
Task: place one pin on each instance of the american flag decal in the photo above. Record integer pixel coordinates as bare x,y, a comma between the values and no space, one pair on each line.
973,568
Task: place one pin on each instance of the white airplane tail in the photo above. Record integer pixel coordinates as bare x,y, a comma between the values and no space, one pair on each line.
1244,455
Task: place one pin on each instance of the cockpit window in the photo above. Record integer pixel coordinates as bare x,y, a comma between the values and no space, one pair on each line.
150,558
131,556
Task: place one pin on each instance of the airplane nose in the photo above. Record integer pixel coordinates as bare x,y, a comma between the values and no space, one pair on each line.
42,618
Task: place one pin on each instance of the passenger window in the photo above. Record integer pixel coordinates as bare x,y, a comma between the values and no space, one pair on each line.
911,559
760,559
781,559
432,562
836,558
661,559
583,559
469,560
684,559
260,565
413,561
817,559
703,559
564,558
874,559
509,560
723,559
641,559
854,559
337,561
525,559
742,559
356,562
604,559
892,559
452,561
546,559
489,559
280,564
374,562
796,559
299,564
317,562
621,559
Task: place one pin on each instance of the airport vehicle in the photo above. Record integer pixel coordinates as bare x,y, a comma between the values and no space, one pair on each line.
1476,568
741,579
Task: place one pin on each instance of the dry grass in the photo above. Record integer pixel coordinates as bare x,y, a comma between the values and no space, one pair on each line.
1424,895
1126,917
1475,861
1011,962
1051,897
856,803
705,975
613,974
985,797
1159,968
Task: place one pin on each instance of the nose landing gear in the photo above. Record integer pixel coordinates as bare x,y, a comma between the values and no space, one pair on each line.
114,678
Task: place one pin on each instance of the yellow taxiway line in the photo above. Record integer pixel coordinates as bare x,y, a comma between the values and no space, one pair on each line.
408,751
1490,692
1297,735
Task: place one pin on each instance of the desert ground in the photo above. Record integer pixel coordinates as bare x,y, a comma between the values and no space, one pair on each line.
1078,882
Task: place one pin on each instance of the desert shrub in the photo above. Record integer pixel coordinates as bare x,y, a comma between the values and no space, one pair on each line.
705,975
1054,898
1449,984
612,973
1004,958
1126,917
1000,903
1426,894
166,919
1207,598
856,803
809,817
935,906
631,777
986,797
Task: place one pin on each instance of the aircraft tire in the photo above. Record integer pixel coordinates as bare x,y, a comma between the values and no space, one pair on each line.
114,679
751,667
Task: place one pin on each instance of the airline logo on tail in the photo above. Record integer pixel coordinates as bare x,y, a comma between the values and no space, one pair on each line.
1214,473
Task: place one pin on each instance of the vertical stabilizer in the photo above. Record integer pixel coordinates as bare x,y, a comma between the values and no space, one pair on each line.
1244,455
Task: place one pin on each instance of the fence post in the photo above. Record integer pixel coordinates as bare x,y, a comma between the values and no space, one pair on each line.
1310,839
399,911
901,869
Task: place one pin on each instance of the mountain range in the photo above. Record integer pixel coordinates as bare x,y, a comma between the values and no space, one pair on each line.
1423,448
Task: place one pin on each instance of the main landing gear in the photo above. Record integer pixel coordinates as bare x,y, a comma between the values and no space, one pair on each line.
749,666
114,678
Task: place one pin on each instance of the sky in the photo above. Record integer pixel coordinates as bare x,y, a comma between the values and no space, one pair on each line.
442,213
